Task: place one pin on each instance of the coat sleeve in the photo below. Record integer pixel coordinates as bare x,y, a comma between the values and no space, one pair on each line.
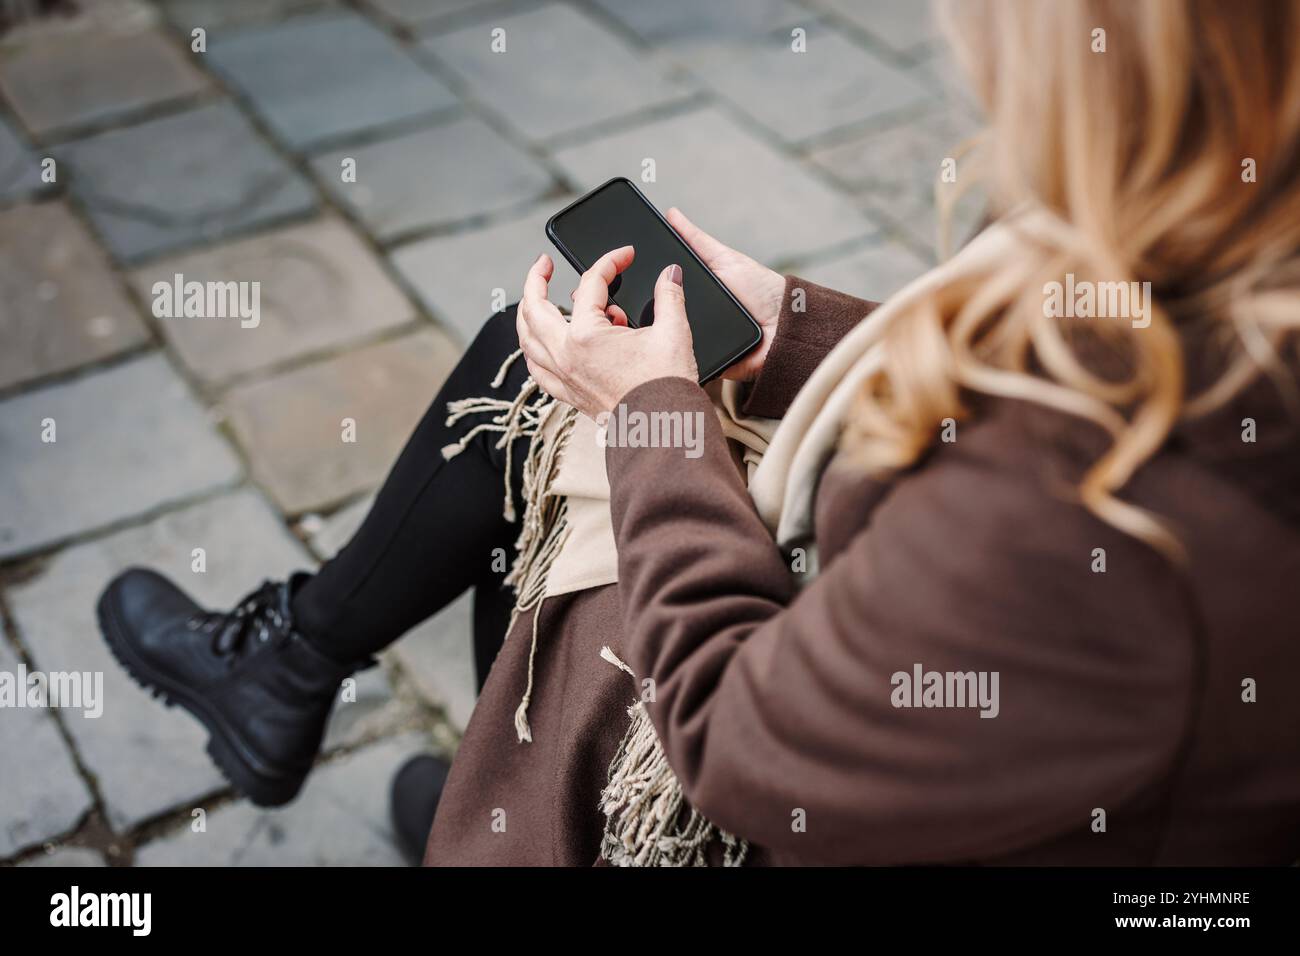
813,320
779,712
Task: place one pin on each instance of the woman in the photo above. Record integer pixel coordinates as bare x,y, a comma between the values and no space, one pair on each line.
1050,621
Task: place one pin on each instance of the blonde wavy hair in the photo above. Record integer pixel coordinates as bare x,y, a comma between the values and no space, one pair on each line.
1139,154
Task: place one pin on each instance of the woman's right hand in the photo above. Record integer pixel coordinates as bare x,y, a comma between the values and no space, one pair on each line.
758,288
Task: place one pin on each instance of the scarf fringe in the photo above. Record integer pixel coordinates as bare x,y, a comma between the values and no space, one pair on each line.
644,805
544,532
544,527
514,419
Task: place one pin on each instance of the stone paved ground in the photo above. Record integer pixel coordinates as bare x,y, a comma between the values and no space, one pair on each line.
178,433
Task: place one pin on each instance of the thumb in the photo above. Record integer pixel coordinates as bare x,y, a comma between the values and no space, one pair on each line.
670,302
708,248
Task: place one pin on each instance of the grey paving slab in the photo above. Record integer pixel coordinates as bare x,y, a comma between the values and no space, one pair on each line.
898,170
61,306
319,287
728,180
20,166
438,655
942,73
800,95
873,273
67,857
365,711
127,440
97,15
907,27
419,14
66,82
199,175
449,173
43,795
561,71
462,277
683,22
339,819
438,658
900,155
364,79
214,14
291,426
147,758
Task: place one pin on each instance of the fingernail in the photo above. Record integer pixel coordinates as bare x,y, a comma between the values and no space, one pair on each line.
675,274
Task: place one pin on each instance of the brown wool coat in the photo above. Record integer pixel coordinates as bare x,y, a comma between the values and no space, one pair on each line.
1119,691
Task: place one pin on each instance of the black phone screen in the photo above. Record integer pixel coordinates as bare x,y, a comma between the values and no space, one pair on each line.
617,214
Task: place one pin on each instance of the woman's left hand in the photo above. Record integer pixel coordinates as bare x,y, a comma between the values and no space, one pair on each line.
594,359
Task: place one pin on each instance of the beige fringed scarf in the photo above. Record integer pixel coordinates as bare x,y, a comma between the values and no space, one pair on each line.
566,542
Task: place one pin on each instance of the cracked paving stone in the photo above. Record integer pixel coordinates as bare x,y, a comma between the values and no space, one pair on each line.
187,178
682,22
67,856
185,15
293,426
366,81
61,306
43,793
68,81
907,27
873,273
127,440
421,14
340,819
20,166
768,206
532,83
898,169
449,173
801,95
320,287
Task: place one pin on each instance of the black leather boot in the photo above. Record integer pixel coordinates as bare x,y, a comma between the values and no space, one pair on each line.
413,801
262,690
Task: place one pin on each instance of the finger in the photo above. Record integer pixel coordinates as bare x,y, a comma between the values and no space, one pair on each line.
537,314
534,337
539,275
704,245
534,302
670,302
616,315
592,294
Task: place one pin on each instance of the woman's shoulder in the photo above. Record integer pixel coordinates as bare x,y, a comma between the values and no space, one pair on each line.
1026,457
995,501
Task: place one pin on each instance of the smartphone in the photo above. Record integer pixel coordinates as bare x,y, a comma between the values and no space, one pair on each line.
618,214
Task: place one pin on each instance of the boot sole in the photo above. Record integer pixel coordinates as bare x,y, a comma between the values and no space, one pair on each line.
250,776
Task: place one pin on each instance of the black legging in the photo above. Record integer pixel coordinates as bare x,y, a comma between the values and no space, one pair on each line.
434,530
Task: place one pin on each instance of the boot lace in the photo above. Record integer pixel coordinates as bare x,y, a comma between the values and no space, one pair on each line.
257,617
